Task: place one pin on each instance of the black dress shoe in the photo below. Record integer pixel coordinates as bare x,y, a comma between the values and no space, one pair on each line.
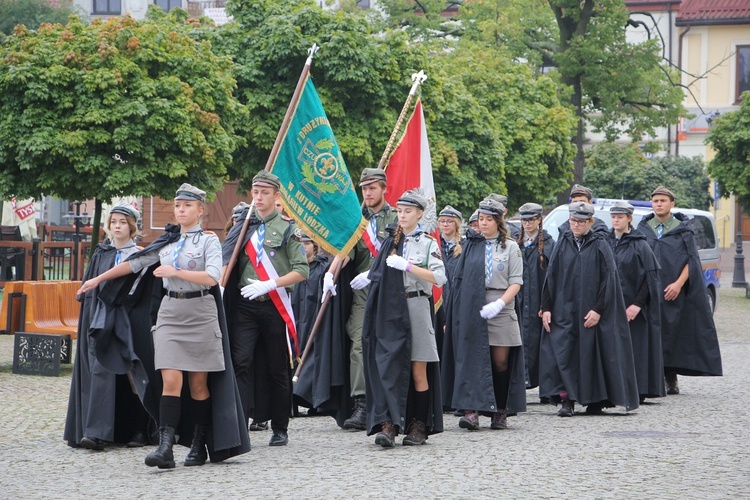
92,443
279,438
258,426
139,440
595,409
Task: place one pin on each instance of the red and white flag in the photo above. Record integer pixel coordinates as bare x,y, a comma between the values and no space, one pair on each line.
410,167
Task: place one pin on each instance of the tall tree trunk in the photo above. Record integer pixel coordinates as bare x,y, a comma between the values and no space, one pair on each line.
95,226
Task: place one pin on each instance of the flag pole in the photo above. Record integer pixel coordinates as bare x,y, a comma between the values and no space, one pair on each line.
417,79
272,157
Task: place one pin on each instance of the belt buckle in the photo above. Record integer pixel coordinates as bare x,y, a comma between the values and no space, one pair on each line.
180,295
262,298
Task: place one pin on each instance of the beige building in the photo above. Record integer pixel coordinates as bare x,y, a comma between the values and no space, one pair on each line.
710,41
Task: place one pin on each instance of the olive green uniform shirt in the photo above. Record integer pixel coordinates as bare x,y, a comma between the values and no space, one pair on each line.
286,256
669,224
360,254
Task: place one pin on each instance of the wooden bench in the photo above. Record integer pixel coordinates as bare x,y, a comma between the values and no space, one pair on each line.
43,309
13,307
69,306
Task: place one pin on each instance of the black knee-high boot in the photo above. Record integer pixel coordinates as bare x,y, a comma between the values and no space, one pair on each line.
417,431
169,417
202,415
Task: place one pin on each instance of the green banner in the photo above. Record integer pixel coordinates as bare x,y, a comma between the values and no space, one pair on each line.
316,188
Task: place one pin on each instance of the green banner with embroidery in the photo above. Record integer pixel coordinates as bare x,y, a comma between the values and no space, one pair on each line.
316,188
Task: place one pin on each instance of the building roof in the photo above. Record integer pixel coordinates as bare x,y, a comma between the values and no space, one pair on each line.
713,12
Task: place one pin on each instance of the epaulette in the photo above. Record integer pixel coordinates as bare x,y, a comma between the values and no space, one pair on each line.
208,232
288,219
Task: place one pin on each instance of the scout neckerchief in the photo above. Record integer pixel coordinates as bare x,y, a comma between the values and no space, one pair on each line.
279,296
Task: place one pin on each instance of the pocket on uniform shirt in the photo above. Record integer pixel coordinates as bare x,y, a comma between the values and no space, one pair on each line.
416,260
194,254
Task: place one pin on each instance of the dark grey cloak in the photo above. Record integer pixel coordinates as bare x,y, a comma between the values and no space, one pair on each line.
688,333
116,333
637,265
593,365
528,301
101,403
466,363
386,350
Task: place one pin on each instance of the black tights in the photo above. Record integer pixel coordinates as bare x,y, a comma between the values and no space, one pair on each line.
500,374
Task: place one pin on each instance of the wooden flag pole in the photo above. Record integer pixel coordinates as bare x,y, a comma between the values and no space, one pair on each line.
272,157
417,79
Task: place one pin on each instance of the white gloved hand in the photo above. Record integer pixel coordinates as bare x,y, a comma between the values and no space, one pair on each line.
360,281
492,309
328,286
221,289
397,262
256,288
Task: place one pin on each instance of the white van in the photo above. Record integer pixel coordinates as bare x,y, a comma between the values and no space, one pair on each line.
702,222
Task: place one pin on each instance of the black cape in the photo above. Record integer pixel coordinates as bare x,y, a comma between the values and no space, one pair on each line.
637,265
466,363
688,333
101,403
386,350
594,365
116,334
528,301
306,304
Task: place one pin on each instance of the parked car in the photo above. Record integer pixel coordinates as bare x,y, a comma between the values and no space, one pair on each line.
702,222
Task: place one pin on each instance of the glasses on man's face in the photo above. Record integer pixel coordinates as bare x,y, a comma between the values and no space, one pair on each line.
577,222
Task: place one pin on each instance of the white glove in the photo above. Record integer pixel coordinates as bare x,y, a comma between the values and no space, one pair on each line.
397,262
328,286
256,288
492,309
221,289
360,281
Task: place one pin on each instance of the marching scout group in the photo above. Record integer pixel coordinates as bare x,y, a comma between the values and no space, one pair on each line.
600,318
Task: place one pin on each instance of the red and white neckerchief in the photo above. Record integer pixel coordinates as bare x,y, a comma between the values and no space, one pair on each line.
371,236
279,296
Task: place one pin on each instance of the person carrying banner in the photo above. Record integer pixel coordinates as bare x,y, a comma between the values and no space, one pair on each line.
398,339
262,329
379,215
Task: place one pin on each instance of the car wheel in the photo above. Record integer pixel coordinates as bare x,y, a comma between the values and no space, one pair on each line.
711,299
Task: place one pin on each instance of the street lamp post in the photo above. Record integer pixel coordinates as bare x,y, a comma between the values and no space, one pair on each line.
738,278
80,220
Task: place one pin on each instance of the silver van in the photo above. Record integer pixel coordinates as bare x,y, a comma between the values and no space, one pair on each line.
702,222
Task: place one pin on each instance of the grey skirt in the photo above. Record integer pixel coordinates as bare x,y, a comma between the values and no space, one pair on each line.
503,330
423,345
187,335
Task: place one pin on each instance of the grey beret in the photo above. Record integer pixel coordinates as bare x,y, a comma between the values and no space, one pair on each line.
370,175
491,207
125,209
449,211
188,192
578,190
581,210
530,210
413,199
265,178
621,207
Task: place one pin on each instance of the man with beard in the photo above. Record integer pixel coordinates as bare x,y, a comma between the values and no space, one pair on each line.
379,214
688,333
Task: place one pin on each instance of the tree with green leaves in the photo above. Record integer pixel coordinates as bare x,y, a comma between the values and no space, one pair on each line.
624,171
615,87
32,13
116,108
492,124
730,138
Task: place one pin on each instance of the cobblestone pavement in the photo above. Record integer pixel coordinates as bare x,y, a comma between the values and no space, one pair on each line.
690,446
